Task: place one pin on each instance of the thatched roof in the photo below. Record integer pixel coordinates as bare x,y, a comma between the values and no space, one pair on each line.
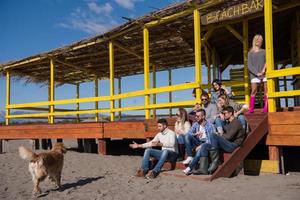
171,46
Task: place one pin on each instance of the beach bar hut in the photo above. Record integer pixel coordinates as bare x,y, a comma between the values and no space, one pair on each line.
212,34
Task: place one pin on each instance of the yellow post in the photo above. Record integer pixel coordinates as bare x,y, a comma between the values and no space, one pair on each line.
146,70
120,100
51,90
170,93
269,51
77,104
197,40
7,112
207,56
246,70
96,95
154,86
111,79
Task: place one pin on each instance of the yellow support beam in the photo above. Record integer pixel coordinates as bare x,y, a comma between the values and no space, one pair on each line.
111,80
269,52
197,41
120,100
7,111
290,93
283,72
96,93
77,97
234,32
170,93
146,70
51,90
154,86
245,53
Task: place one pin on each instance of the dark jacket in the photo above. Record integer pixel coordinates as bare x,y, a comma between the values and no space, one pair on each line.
234,132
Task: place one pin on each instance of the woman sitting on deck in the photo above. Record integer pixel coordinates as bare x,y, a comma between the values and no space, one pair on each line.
219,89
257,70
182,126
239,110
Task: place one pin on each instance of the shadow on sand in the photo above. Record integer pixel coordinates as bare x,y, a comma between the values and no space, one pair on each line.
67,186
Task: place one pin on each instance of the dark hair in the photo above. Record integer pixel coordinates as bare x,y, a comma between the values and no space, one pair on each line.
229,109
202,111
205,95
219,82
162,121
203,91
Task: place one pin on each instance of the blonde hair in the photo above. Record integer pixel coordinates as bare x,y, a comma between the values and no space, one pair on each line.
256,37
183,116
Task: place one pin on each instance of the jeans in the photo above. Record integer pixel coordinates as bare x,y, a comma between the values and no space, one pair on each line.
221,123
180,139
219,142
160,155
191,142
243,121
202,152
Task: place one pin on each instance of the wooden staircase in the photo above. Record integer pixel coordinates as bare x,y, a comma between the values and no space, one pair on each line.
258,129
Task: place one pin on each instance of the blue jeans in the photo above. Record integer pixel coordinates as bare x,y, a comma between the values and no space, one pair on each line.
180,139
160,155
243,121
190,143
218,142
202,152
221,123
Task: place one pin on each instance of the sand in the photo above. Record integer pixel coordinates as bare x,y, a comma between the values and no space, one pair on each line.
92,176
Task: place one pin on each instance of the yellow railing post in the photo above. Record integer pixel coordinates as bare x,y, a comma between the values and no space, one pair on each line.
154,86
170,93
207,56
7,111
96,95
269,51
120,100
197,40
246,70
77,97
146,70
51,90
111,79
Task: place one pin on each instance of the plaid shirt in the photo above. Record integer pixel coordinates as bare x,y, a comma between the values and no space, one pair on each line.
208,127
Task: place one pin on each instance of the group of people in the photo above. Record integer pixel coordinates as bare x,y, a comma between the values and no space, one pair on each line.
218,123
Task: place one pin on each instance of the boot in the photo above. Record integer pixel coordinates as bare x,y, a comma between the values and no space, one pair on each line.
265,110
214,155
203,165
181,152
252,104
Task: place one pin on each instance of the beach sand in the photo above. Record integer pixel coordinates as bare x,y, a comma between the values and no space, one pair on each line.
93,176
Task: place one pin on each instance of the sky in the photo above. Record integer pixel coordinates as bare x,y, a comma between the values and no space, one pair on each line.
34,26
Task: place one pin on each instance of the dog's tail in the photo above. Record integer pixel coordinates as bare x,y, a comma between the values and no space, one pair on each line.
26,154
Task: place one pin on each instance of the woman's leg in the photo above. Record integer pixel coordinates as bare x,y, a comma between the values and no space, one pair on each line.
252,97
265,97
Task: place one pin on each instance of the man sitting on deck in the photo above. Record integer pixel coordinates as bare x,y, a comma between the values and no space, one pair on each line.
166,139
233,137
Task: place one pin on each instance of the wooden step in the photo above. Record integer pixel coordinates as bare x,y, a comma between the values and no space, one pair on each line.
234,159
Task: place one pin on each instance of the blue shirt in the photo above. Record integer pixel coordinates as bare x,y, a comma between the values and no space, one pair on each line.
209,129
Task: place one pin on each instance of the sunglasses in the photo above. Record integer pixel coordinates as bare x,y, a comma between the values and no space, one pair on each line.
203,99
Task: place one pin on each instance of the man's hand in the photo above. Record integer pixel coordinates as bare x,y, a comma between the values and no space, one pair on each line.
222,117
134,145
157,144
236,114
198,148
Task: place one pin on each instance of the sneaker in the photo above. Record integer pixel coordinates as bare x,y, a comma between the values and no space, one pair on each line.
140,173
151,174
187,171
187,160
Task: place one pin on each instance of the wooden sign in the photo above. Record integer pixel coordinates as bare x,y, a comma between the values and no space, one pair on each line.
232,12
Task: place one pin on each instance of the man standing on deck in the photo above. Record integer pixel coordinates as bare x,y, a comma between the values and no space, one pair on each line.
166,139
